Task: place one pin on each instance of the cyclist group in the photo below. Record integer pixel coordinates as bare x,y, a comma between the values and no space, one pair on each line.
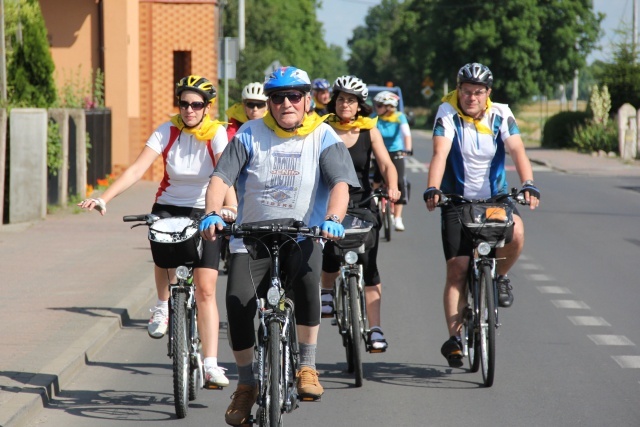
281,157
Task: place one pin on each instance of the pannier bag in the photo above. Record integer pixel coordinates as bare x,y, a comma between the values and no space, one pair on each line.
175,241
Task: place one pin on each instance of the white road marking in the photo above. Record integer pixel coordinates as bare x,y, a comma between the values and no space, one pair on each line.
610,340
527,266
540,277
588,321
553,290
628,361
568,303
415,166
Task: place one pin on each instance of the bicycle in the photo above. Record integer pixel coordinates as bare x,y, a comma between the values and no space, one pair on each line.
487,223
385,207
277,342
176,243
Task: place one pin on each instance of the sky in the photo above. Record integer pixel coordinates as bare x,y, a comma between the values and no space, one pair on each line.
340,17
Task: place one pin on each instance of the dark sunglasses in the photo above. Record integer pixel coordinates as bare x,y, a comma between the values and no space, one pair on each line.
378,105
252,105
293,97
196,106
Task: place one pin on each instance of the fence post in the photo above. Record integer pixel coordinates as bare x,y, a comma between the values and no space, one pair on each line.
3,159
61,117
78,117
627,131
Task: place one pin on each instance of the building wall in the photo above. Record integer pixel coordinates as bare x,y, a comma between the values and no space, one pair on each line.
162,32
139,38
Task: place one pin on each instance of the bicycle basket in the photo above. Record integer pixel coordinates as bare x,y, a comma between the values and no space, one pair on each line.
490,222
356,231
175,241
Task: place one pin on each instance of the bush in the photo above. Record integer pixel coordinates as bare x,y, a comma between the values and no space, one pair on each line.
592,137
558,129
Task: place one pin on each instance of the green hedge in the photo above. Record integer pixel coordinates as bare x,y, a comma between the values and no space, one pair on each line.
558,129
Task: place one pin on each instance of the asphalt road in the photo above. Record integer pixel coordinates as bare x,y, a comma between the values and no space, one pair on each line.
567,350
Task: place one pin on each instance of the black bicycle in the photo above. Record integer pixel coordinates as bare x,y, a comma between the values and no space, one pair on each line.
487,223
277,342
176,243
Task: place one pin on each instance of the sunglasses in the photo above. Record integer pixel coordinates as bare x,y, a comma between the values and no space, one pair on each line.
293,97
252,105
196,106
379,105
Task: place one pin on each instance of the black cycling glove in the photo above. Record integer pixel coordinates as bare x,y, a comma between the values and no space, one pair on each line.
532,189
430,193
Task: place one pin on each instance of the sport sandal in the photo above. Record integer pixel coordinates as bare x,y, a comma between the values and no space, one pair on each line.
328,309
379,343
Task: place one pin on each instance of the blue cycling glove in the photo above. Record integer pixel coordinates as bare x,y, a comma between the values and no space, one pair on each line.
209,220
333,228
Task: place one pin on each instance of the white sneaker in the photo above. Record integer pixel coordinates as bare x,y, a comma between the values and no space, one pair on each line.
158,323
214,377
399,225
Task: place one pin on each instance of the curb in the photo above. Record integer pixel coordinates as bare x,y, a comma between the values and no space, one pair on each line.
42,388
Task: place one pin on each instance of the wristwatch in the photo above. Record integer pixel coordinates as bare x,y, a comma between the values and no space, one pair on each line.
527,182
334,218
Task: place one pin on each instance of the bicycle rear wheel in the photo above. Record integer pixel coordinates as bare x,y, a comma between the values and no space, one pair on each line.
471,336
355,329
487,326
275,375
195,368
180,355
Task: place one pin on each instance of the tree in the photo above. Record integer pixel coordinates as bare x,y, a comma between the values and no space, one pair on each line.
530,45
30,67
622,76
285,31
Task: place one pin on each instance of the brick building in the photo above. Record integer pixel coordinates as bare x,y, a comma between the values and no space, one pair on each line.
143,47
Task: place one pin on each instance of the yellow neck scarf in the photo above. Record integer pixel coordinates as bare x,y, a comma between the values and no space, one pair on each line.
236,111
205,132
361,122
452,98
394,117
309,123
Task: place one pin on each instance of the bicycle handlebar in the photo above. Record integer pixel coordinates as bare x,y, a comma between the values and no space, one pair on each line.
241,230
516,195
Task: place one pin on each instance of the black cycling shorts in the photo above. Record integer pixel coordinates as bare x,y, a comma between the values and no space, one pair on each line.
210,250
301,270
454,241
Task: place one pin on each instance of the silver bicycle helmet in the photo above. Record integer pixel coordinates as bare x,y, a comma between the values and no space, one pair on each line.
475,73
352,85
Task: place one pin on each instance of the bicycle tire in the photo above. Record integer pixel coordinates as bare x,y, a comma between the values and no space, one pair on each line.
355,329
488,326
275,375
387,222
293,361
195,374
180,356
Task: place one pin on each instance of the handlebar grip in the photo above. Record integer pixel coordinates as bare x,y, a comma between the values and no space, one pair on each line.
134,218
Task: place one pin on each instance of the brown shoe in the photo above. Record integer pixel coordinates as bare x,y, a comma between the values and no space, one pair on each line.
309,387
239,411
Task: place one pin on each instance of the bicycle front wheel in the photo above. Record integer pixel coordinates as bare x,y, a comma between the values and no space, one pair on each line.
387,222
275,375
180,355
195,368
471,338
355,329
487,326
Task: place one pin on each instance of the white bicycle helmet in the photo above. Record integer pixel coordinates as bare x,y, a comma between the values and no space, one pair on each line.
352,85
255,91
387,98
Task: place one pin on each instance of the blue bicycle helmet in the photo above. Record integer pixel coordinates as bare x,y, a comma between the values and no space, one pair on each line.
321,84
287,78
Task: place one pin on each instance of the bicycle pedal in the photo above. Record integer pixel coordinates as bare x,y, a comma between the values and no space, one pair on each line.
311,398
334,322
213,387
377,350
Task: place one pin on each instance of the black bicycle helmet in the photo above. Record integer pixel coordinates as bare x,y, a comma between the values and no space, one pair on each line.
475,73
197,84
